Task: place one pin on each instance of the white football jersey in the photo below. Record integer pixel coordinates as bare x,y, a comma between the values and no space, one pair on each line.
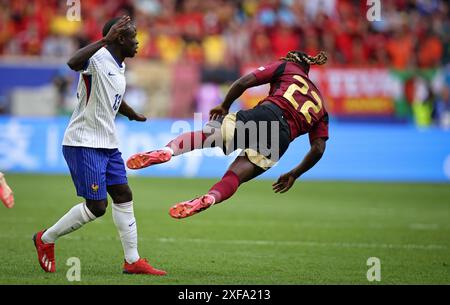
101,87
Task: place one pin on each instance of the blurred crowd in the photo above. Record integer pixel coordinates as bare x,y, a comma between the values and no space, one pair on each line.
223,37
411,33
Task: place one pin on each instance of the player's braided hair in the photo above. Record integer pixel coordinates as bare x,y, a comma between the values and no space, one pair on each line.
306,60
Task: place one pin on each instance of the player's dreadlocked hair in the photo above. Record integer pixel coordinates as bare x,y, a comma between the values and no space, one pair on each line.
306,60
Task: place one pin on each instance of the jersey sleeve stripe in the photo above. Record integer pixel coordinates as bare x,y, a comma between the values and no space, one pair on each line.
88,83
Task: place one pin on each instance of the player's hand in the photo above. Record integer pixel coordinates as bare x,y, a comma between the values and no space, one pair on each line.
117,28
217,112
138,117
284,183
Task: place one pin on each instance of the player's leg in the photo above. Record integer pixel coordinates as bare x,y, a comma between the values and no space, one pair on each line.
208,137
123,216
240,171
87,167
271,136
6,194
75,218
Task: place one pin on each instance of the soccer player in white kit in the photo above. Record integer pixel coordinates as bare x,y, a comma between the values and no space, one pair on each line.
90,146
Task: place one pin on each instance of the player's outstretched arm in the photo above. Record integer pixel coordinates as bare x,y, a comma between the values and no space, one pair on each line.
129,112
78,61
236,90
285,182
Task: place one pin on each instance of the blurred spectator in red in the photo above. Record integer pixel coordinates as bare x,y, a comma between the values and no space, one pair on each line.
284,39
261,47
411,33
312,44
360,53
189,20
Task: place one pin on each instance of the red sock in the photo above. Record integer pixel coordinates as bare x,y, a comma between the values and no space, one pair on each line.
226,187
187,142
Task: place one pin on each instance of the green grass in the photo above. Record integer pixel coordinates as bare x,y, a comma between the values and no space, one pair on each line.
317,233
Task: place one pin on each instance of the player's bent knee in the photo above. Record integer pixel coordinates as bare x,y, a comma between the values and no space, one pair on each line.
120,193
97,207
122,198
126,196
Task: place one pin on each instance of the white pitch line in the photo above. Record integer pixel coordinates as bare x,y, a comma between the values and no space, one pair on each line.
428,247
307,244
424,226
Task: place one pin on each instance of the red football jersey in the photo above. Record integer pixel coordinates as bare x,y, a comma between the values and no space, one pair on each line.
297,96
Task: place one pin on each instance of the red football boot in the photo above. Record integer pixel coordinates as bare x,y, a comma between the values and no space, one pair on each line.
6,194
191,207
145,159
141,267
46,253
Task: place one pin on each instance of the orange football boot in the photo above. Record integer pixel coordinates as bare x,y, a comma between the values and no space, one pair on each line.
192,207
145,159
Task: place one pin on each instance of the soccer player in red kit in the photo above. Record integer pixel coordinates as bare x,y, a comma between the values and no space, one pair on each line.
294,104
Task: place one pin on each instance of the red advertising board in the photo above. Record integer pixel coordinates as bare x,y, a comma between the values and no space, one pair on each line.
347,91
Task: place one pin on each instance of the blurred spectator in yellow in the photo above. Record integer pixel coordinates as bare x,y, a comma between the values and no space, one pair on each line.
60,25
170,47
214,46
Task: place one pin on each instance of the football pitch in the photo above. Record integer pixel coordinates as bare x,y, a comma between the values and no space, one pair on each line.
317,233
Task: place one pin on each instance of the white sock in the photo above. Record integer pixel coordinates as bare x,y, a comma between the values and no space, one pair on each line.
123,216
77,216
168,149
